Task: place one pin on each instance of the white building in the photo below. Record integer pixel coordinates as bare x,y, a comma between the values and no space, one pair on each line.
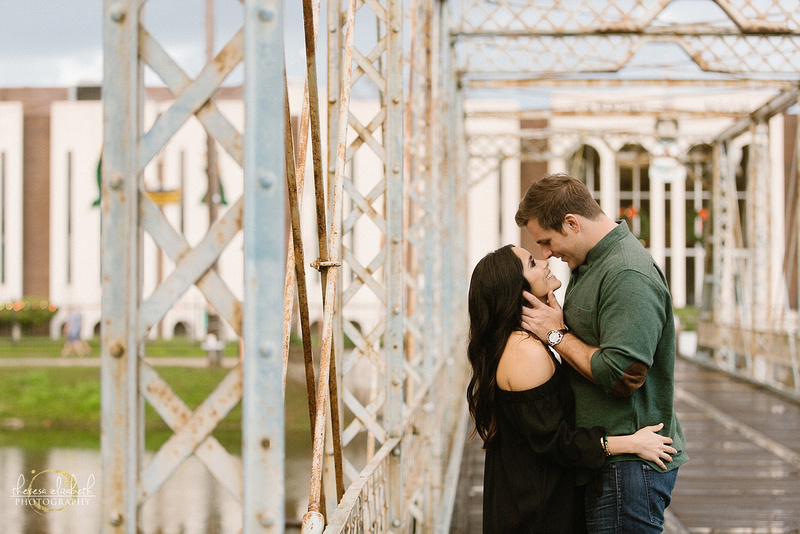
175,180
51,143
11,164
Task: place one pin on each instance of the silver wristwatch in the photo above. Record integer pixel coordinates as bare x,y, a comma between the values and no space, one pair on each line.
554,337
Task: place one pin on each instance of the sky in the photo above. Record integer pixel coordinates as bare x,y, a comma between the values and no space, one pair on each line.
50,43
54,43
59,43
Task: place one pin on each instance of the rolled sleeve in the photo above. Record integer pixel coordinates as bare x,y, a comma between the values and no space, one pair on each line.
631,320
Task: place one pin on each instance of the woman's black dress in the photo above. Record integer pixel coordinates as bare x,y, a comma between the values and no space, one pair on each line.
529,478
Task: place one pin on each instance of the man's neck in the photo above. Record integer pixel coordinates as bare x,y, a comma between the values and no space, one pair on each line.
597,229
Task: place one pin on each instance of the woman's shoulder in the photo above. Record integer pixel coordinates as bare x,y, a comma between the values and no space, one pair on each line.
525,363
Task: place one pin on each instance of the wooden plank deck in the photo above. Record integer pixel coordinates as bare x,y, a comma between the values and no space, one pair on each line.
744,472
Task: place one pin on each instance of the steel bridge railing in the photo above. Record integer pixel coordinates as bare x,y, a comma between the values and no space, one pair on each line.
390,200
390,218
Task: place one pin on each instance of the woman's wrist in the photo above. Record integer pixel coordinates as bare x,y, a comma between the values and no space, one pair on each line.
605,445
619,445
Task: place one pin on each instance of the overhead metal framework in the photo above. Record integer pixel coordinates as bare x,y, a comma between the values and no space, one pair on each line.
387,410
667,60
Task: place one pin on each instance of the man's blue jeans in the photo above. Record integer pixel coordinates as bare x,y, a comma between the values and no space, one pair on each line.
633,499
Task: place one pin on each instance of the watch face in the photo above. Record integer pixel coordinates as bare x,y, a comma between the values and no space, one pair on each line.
554,337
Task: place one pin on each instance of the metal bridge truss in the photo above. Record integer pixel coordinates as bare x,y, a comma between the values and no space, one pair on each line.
385,461
751,329
381,462
603,51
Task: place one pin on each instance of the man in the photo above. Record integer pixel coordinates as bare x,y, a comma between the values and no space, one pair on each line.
617,332
74,343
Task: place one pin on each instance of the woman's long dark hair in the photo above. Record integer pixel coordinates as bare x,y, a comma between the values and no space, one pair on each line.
495,311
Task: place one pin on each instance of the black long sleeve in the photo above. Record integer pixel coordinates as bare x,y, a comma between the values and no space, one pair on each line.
529,478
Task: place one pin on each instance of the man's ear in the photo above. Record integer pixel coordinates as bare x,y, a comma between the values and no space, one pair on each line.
571,223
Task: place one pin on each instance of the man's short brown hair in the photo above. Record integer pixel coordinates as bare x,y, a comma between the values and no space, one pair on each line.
551,198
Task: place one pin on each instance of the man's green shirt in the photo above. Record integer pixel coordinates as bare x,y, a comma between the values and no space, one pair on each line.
618,300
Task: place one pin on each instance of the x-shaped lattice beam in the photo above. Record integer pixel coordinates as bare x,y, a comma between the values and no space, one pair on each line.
193,266
192,432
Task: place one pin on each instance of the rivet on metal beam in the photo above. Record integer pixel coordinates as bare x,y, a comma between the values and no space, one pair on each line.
266,14
115,518
396,523
266,179
267,349
117,12
266,443
265,519
117,350
116,180
396,169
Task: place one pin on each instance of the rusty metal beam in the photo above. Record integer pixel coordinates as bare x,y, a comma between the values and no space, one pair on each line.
632,29
472,81
622,111
777,105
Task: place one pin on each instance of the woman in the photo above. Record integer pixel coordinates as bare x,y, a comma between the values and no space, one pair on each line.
523,407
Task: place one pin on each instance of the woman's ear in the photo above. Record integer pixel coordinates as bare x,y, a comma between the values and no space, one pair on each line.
525,287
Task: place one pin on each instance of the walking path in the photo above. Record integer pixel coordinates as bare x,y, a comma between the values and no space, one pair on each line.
744,471
197,362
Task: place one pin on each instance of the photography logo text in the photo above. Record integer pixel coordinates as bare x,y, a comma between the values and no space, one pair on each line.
52,490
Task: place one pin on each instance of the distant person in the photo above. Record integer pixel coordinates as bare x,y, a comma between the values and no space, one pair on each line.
75,343
523,408
617,333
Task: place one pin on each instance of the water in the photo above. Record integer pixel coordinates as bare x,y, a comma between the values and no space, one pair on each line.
189,502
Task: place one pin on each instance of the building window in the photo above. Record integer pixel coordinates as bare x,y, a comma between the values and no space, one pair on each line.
2,217
69,218
634,190
742,184
585,166
699,179
182,180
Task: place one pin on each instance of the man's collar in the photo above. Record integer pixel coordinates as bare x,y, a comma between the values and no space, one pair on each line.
607,242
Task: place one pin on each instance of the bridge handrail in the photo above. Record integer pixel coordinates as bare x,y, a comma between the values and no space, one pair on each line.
360,491
445,515
364,500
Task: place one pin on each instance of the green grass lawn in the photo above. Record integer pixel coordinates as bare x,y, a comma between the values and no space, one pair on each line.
44,347
54,404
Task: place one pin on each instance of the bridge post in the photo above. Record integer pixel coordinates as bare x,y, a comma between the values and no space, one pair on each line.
120,349
724,199
264,223
395,279
127,380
